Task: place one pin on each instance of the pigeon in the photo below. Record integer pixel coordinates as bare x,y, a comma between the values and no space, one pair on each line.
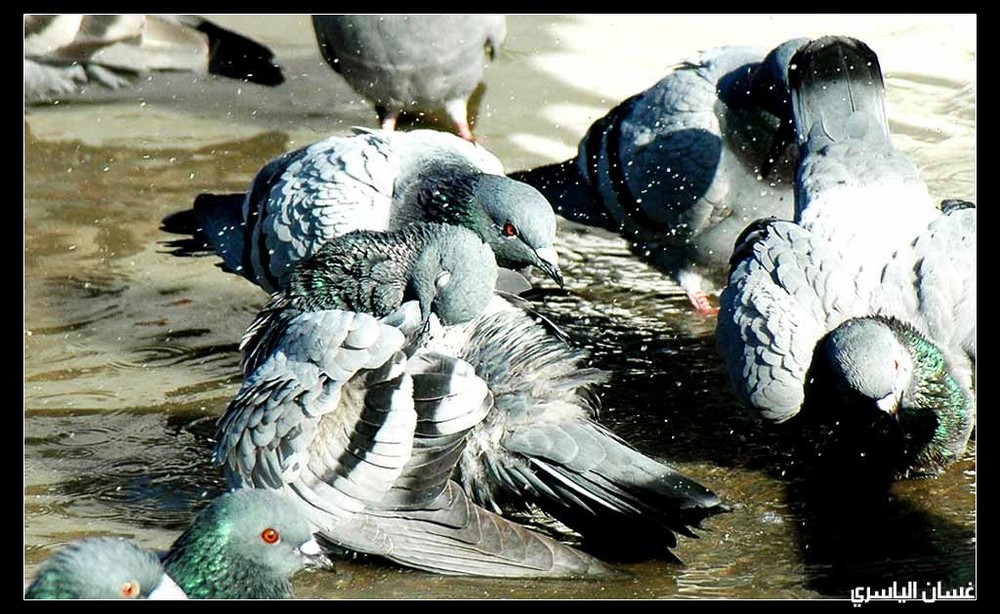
867,241
344,410
103,568
540,453
899,410
682,167
673,501
245,544
64,53
412,63
371,180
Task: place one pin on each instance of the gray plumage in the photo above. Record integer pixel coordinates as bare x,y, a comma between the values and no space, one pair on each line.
412,63
103,568
373,180
681,168
867,240
347,413
65,53
540,451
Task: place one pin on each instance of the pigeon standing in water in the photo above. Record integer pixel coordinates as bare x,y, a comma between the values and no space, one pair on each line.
64,53
374,180
412,63
860,314
103,568
681,168
245,544
345,411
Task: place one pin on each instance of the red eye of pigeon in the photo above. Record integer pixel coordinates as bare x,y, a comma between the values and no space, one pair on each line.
269,536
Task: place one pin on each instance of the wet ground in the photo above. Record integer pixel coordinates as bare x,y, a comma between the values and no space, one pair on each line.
131,353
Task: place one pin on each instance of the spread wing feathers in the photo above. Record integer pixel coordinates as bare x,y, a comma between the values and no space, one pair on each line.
786,290
590,478
450,400
539,444
296,372
454,536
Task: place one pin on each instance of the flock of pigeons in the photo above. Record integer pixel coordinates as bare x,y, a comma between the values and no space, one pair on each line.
400,398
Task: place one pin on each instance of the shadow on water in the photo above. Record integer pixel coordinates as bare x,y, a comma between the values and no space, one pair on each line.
851,536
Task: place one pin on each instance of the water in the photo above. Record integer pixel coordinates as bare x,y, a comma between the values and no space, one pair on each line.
130,354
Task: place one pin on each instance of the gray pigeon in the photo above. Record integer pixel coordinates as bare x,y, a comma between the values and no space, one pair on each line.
373,180
103,568
867,241
540,453
681,168
344,409
245,544
899,409
412,63
64,53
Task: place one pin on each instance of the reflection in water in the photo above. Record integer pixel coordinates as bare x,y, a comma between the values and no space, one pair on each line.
131,353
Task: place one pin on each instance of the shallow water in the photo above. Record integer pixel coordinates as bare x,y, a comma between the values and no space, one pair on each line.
131,353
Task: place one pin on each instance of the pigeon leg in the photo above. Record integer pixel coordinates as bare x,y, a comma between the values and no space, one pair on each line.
459,114
387,117
699,298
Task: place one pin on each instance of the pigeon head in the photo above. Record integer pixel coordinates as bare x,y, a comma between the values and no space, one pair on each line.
453,275
521,226
103,568
893,385
867,360
513,217
245,544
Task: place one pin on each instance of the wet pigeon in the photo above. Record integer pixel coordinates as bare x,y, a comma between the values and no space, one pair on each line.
103,568
681,168
245,544
412,63
867,240
64,53
345,411
373,180
540,453
899,407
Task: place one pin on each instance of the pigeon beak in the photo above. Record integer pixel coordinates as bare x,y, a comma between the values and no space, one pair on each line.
889,404
548,261
167,589
313,554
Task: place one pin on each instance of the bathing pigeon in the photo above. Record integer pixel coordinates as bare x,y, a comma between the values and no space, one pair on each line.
245,544
344,409
103,568
539,452
867,241
681,168
63,53
372,180
412,63
899,408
